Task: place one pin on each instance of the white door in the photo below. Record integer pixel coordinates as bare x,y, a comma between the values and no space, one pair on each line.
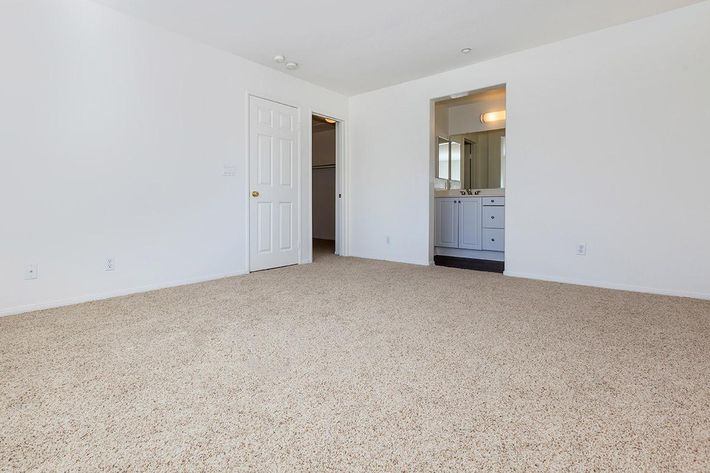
274,185
470,224
447,223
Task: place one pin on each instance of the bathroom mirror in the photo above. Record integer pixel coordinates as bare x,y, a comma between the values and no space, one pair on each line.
449,167
482,160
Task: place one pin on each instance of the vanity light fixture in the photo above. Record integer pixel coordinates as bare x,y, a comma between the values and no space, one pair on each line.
489,117
291,66
279,58
466,50
330,120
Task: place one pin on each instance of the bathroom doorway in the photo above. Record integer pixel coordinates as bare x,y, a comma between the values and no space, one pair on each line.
468,211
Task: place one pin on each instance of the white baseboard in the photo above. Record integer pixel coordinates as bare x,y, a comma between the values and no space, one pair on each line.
108,295
607,285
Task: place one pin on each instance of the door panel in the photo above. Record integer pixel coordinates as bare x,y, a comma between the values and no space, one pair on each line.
286,225
264,224
470,224
447,223
265,157
274,218
286,163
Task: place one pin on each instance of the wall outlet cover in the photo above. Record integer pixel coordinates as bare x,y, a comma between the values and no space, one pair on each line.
581,249
31,272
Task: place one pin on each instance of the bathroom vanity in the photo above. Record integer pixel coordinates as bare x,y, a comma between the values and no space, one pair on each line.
471,227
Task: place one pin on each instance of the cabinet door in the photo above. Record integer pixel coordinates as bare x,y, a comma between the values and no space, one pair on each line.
447,223
470,224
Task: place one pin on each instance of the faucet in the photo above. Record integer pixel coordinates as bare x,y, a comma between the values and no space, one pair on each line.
477,192
468,191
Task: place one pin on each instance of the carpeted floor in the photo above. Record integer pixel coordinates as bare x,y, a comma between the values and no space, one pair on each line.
357,365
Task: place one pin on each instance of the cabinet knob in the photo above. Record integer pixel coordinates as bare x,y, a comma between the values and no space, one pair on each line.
493,239
492,217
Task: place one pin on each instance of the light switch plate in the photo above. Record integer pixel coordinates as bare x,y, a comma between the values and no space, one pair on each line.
229,171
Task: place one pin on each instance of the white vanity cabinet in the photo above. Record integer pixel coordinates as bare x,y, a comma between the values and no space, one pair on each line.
458,223
470,226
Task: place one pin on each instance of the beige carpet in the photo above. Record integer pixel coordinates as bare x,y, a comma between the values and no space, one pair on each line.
356,365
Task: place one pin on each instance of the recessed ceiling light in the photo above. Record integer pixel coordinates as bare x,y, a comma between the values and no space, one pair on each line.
466,50
291,66
280,58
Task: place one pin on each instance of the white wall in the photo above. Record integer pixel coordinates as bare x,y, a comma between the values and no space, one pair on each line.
626,171
113,139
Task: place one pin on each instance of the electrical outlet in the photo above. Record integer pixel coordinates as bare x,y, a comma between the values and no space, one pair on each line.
581,249
31,272
110,264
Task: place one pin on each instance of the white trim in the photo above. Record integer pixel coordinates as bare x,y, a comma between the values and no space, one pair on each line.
339,188
247,185
22,309
345,173
608,285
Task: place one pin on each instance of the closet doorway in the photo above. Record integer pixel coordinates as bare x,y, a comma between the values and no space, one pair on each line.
324,186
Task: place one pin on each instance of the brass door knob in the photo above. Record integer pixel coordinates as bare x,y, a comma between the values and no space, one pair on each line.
255,194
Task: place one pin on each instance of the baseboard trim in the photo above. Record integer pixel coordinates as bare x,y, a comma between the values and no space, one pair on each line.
607,285
23,309
489,266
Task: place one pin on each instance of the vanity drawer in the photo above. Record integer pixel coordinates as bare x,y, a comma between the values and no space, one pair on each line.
494,239
494,217
493,201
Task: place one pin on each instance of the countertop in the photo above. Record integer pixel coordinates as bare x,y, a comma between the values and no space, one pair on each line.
458,193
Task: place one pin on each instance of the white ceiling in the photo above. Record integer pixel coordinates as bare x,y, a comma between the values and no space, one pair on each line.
361,45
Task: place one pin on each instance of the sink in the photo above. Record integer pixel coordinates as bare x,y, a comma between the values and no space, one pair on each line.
458,193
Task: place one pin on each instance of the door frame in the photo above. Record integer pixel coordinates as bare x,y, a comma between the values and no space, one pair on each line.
305,179
433,156
340,194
